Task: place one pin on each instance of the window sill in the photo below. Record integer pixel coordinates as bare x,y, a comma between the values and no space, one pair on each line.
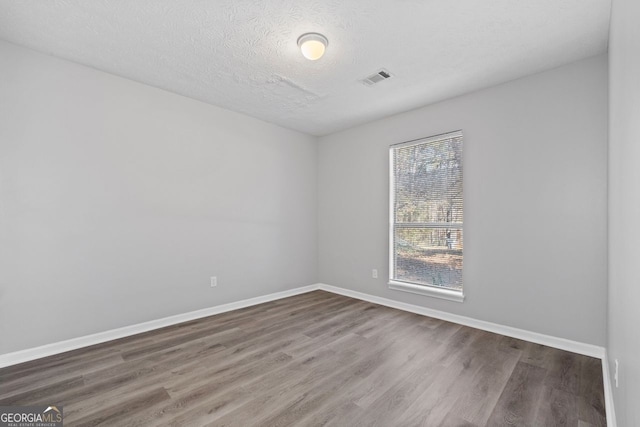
429,291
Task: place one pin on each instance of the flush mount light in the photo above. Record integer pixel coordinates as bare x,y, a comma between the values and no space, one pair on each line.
312,45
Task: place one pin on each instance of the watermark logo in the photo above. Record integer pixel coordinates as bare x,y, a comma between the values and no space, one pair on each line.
30,416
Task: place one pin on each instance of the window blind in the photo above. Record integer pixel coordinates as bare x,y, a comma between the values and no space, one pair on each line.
427,211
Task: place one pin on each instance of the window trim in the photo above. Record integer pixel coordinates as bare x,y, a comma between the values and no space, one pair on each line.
427,290
398,285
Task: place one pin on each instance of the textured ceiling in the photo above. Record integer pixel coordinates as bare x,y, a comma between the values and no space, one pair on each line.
242,54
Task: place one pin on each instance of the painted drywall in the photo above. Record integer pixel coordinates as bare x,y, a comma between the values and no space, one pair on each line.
624,208
118,201
535,184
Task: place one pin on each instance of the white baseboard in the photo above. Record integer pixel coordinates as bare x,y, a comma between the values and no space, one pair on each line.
608,392
548,340
88,340
21,356
551,341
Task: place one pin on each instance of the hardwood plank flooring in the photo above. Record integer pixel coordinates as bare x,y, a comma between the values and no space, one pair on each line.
310,360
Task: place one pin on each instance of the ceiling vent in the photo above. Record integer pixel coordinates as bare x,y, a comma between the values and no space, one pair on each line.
381,75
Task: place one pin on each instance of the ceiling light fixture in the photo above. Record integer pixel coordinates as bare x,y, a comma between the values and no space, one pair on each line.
312,45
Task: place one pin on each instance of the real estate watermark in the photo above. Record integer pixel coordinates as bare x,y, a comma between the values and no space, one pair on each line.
31,416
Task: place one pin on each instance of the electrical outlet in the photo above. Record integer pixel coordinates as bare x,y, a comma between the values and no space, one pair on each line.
214,281
374,273
615,375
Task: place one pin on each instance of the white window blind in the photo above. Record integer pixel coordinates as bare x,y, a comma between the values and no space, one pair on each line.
426,226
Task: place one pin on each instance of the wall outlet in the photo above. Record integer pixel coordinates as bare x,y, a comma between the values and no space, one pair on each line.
374,273
214,281
615,374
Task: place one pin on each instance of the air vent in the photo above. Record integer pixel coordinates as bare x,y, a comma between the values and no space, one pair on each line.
377,77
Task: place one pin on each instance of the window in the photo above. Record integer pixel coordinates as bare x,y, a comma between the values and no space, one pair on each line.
426,241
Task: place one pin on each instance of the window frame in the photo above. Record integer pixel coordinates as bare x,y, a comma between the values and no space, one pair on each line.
399,285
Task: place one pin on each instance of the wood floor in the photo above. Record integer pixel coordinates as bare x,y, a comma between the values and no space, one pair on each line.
314,359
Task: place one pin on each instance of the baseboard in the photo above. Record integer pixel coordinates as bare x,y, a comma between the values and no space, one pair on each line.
548,340
22,356
88,340
608,392
551,341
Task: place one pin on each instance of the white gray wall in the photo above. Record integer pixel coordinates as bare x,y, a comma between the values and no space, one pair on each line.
624,208
535,201
118,201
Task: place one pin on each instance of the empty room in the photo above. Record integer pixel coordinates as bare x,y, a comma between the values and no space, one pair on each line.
309,213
